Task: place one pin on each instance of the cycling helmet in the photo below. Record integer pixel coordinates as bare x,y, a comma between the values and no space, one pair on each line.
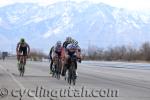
22,40
58,43
68,39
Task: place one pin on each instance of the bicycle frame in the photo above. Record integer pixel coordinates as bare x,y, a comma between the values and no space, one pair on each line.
57,67
21,65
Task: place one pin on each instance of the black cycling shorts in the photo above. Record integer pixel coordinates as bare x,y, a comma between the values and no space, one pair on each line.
58,53
23,50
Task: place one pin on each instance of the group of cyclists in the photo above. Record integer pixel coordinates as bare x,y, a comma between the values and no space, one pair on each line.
63,50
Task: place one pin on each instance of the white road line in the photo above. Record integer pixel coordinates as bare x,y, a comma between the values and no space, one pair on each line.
15,80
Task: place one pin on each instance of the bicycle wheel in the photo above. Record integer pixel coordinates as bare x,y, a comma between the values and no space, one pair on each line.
69,76
73,73
54,71
20,69
23,69
59,68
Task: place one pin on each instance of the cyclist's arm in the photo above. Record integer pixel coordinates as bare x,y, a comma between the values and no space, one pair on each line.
78,51
63,45
67,50
17,48
50,52
28,49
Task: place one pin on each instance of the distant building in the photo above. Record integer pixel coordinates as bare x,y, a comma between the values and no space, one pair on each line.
4,54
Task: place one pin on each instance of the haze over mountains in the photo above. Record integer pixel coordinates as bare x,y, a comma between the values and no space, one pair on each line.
98,24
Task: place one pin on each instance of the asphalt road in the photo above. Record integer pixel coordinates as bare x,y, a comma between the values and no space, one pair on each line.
96,81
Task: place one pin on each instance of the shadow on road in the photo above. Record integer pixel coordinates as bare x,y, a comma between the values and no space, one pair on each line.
38,76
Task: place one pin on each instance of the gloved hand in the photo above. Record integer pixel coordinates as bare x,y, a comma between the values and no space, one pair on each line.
79,60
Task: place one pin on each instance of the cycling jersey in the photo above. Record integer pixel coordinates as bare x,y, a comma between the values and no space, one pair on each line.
66,43
22,47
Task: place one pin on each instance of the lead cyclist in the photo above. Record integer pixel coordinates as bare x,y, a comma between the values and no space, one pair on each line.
22,48
70,47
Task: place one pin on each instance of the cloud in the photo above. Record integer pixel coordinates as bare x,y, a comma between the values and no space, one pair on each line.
40,2
128,4
5,2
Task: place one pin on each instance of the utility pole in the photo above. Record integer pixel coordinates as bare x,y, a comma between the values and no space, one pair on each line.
89,46
12,48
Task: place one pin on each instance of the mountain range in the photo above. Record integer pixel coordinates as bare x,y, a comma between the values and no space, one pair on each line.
91,24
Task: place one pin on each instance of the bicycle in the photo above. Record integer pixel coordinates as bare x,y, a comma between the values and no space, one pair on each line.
21,65
72,71
57,67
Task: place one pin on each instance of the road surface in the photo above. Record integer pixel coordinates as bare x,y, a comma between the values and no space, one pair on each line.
96,81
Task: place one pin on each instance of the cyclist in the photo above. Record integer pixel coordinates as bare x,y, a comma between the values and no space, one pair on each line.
71,48
51,60
22,49
55,51
70,40
3,56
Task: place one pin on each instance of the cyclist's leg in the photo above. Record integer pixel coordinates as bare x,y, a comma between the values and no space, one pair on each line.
24,59
51,64
75,62
76,74
18,55
24,56
53,61
23,52
19,62
67,64
60,62
63,62
64,67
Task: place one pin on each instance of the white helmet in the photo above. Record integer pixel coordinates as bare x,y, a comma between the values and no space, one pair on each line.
68,39
58,43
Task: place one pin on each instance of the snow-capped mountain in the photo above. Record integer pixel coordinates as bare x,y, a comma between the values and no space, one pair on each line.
99,24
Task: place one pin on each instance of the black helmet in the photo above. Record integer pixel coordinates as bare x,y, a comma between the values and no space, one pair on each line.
22,40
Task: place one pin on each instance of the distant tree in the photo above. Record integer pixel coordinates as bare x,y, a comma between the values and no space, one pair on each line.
145,51
37,55
124,53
